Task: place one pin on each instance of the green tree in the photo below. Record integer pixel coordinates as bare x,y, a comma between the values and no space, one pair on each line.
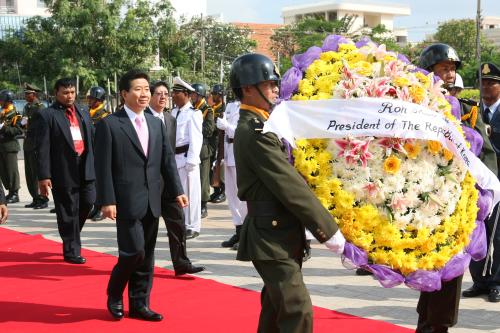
182,49
93,39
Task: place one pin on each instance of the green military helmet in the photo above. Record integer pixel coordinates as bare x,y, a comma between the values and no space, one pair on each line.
98,93
251,69
200,89
437,53
6,96
217,89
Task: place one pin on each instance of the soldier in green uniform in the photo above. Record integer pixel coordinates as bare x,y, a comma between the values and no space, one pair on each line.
97,111
10,128
280,204
32,106
199,102
438,310
217,144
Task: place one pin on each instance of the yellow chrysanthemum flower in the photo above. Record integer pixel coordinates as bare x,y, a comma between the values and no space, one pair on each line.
447,154
412,150
417,94
401,81
434,147
392,164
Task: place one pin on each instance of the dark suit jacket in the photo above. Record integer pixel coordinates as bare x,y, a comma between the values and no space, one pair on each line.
125,176
171,127
57,158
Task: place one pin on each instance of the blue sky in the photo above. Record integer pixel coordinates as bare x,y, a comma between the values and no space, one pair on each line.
426,14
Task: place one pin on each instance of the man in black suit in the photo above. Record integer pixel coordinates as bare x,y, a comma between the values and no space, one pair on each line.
132,157
4,212
172,214
66,164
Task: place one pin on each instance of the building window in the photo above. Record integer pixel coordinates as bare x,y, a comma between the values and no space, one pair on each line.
7,6
401,39
41,4
332,16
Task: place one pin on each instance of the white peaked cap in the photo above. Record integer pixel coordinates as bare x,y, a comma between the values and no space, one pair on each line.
181,85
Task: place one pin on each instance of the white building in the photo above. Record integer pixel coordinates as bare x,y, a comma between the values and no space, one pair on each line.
367,15
13,13
491,29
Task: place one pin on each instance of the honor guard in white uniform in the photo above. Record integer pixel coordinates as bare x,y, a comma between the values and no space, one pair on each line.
238,208
187,152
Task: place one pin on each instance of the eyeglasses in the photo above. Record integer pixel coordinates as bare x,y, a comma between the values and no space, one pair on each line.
161,94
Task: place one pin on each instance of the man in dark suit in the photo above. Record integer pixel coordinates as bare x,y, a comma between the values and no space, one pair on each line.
132,157
489,283
4,212
65,153
172,214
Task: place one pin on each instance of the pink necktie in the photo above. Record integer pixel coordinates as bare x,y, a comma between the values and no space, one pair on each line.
143,136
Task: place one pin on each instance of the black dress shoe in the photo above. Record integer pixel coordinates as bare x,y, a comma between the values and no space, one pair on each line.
190,269
13,198
231,241
190,234
474,291
98,217
31,205
494,295
115,307
145,313
75,260
220,198
204,212
41,205
53,210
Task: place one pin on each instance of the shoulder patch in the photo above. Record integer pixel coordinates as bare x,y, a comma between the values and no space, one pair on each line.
257,124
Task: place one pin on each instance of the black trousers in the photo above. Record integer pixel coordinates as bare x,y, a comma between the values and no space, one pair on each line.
72,207
440,308
489,281
136,246
173,215
30,171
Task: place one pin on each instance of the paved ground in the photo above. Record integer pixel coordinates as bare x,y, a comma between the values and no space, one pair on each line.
330,284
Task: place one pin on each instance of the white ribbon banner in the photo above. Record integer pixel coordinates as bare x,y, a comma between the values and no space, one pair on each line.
379,117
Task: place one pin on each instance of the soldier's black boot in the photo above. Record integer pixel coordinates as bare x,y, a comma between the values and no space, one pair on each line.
41,202
234,238
12,197
307,251
204,210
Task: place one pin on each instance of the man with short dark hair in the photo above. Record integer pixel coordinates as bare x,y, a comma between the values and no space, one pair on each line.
172,214
64,147
132,158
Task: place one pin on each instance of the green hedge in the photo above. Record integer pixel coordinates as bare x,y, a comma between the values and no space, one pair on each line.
470,93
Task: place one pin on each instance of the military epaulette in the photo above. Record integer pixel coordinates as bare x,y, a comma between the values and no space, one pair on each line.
258,125
468,101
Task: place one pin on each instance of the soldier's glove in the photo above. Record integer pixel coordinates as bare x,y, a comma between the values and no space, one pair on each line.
190,167
24,121
222,124
336,243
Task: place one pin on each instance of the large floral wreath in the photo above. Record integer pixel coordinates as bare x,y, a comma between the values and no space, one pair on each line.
407,207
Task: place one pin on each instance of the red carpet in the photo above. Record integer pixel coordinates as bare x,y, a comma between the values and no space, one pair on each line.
41,293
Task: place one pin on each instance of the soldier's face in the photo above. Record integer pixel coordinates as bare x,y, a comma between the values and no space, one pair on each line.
159,98
490,91
269,90
66,95
194,98
180,98
29,97
446,70
216,98
138,96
